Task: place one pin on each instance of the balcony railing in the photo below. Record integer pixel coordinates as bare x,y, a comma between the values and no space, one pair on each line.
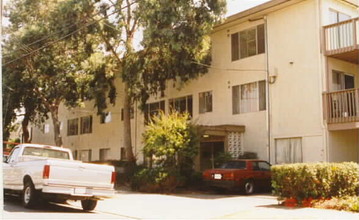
341,106
341,38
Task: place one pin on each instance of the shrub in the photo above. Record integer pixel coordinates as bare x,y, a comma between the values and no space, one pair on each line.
316,180
170,143
346,203
156,180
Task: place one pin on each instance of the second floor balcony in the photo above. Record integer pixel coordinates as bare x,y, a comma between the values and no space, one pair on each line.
341,109
341,40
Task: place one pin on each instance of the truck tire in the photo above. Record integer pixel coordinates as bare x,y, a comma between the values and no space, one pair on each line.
249,187
29,195
88,204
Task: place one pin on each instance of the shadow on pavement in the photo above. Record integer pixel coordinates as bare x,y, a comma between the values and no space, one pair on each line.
14,204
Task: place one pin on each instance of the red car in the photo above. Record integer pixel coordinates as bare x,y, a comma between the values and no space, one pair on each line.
246,175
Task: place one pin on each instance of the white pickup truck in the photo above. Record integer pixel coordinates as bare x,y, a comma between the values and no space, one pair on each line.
40,171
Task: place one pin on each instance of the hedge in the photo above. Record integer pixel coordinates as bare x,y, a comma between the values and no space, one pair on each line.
315,180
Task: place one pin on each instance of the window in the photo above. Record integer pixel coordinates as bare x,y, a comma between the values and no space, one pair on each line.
249,97
342,81
72,127
248,42
86,124
104,154
205,102
106,117
182,105
45,128
132,113
288,150
261,166
85,155
153,109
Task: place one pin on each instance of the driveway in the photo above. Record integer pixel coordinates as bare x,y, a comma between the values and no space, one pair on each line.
194,205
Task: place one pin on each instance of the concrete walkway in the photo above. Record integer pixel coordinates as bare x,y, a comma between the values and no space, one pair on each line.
132,205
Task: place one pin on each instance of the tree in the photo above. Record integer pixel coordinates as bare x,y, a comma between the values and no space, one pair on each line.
172,139
59,56
175,40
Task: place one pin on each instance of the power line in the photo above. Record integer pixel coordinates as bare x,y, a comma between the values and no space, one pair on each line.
226,69
56,41
59,31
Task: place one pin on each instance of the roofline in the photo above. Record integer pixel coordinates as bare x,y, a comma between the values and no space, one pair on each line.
251,11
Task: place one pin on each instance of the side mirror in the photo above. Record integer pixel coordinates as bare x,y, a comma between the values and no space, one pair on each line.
4,158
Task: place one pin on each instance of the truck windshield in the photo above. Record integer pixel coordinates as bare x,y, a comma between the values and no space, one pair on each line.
45,152
234,165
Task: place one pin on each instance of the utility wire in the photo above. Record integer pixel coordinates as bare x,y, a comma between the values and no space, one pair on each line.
56,41
59,31
226,69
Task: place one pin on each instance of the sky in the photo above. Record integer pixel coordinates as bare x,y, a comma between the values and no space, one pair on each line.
235,6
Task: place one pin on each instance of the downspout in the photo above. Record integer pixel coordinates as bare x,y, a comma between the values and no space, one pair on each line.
324,85
268,119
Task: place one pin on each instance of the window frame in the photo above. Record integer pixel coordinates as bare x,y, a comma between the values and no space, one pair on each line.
150,110
173,103
260,99
86,124
241,43
205,102
72,127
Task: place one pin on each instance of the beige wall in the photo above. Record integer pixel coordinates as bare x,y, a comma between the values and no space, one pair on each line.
294,47
344,146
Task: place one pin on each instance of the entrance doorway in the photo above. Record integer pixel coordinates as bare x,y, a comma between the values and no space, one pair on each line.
208,152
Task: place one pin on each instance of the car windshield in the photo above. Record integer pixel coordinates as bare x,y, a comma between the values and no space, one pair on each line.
234,165
46,152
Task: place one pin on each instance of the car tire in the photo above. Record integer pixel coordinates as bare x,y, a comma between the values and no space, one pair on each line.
29,195
249,187
88,204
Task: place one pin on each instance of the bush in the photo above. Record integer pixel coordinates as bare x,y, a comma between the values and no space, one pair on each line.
156,180
346,203
316,180
170,144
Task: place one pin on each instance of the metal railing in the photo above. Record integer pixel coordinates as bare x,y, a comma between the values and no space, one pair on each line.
341,106
342,37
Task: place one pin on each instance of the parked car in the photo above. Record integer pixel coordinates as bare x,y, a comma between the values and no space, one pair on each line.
49,172
246,175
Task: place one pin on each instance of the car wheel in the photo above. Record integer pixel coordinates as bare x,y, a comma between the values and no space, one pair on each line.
88,204
249,187
29,195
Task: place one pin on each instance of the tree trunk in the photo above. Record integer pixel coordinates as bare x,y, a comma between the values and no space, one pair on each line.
56,123
127,142
25,130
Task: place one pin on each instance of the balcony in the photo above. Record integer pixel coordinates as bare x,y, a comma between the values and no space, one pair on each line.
341,109
342,40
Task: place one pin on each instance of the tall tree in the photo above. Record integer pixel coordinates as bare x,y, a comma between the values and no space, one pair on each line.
55,47
175,39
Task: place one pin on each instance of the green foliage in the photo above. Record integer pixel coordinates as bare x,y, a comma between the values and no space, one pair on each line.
222,158
316,180
170,139
171,142
47,43
346,203
158,179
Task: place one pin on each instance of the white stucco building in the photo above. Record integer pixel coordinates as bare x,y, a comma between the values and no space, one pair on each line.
283,83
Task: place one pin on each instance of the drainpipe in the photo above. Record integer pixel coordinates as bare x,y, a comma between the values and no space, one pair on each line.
268,106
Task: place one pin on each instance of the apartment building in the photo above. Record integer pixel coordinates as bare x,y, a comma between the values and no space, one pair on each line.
283,83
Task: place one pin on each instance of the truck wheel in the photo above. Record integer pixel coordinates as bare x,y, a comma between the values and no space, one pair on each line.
88,204
249,187
29,196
